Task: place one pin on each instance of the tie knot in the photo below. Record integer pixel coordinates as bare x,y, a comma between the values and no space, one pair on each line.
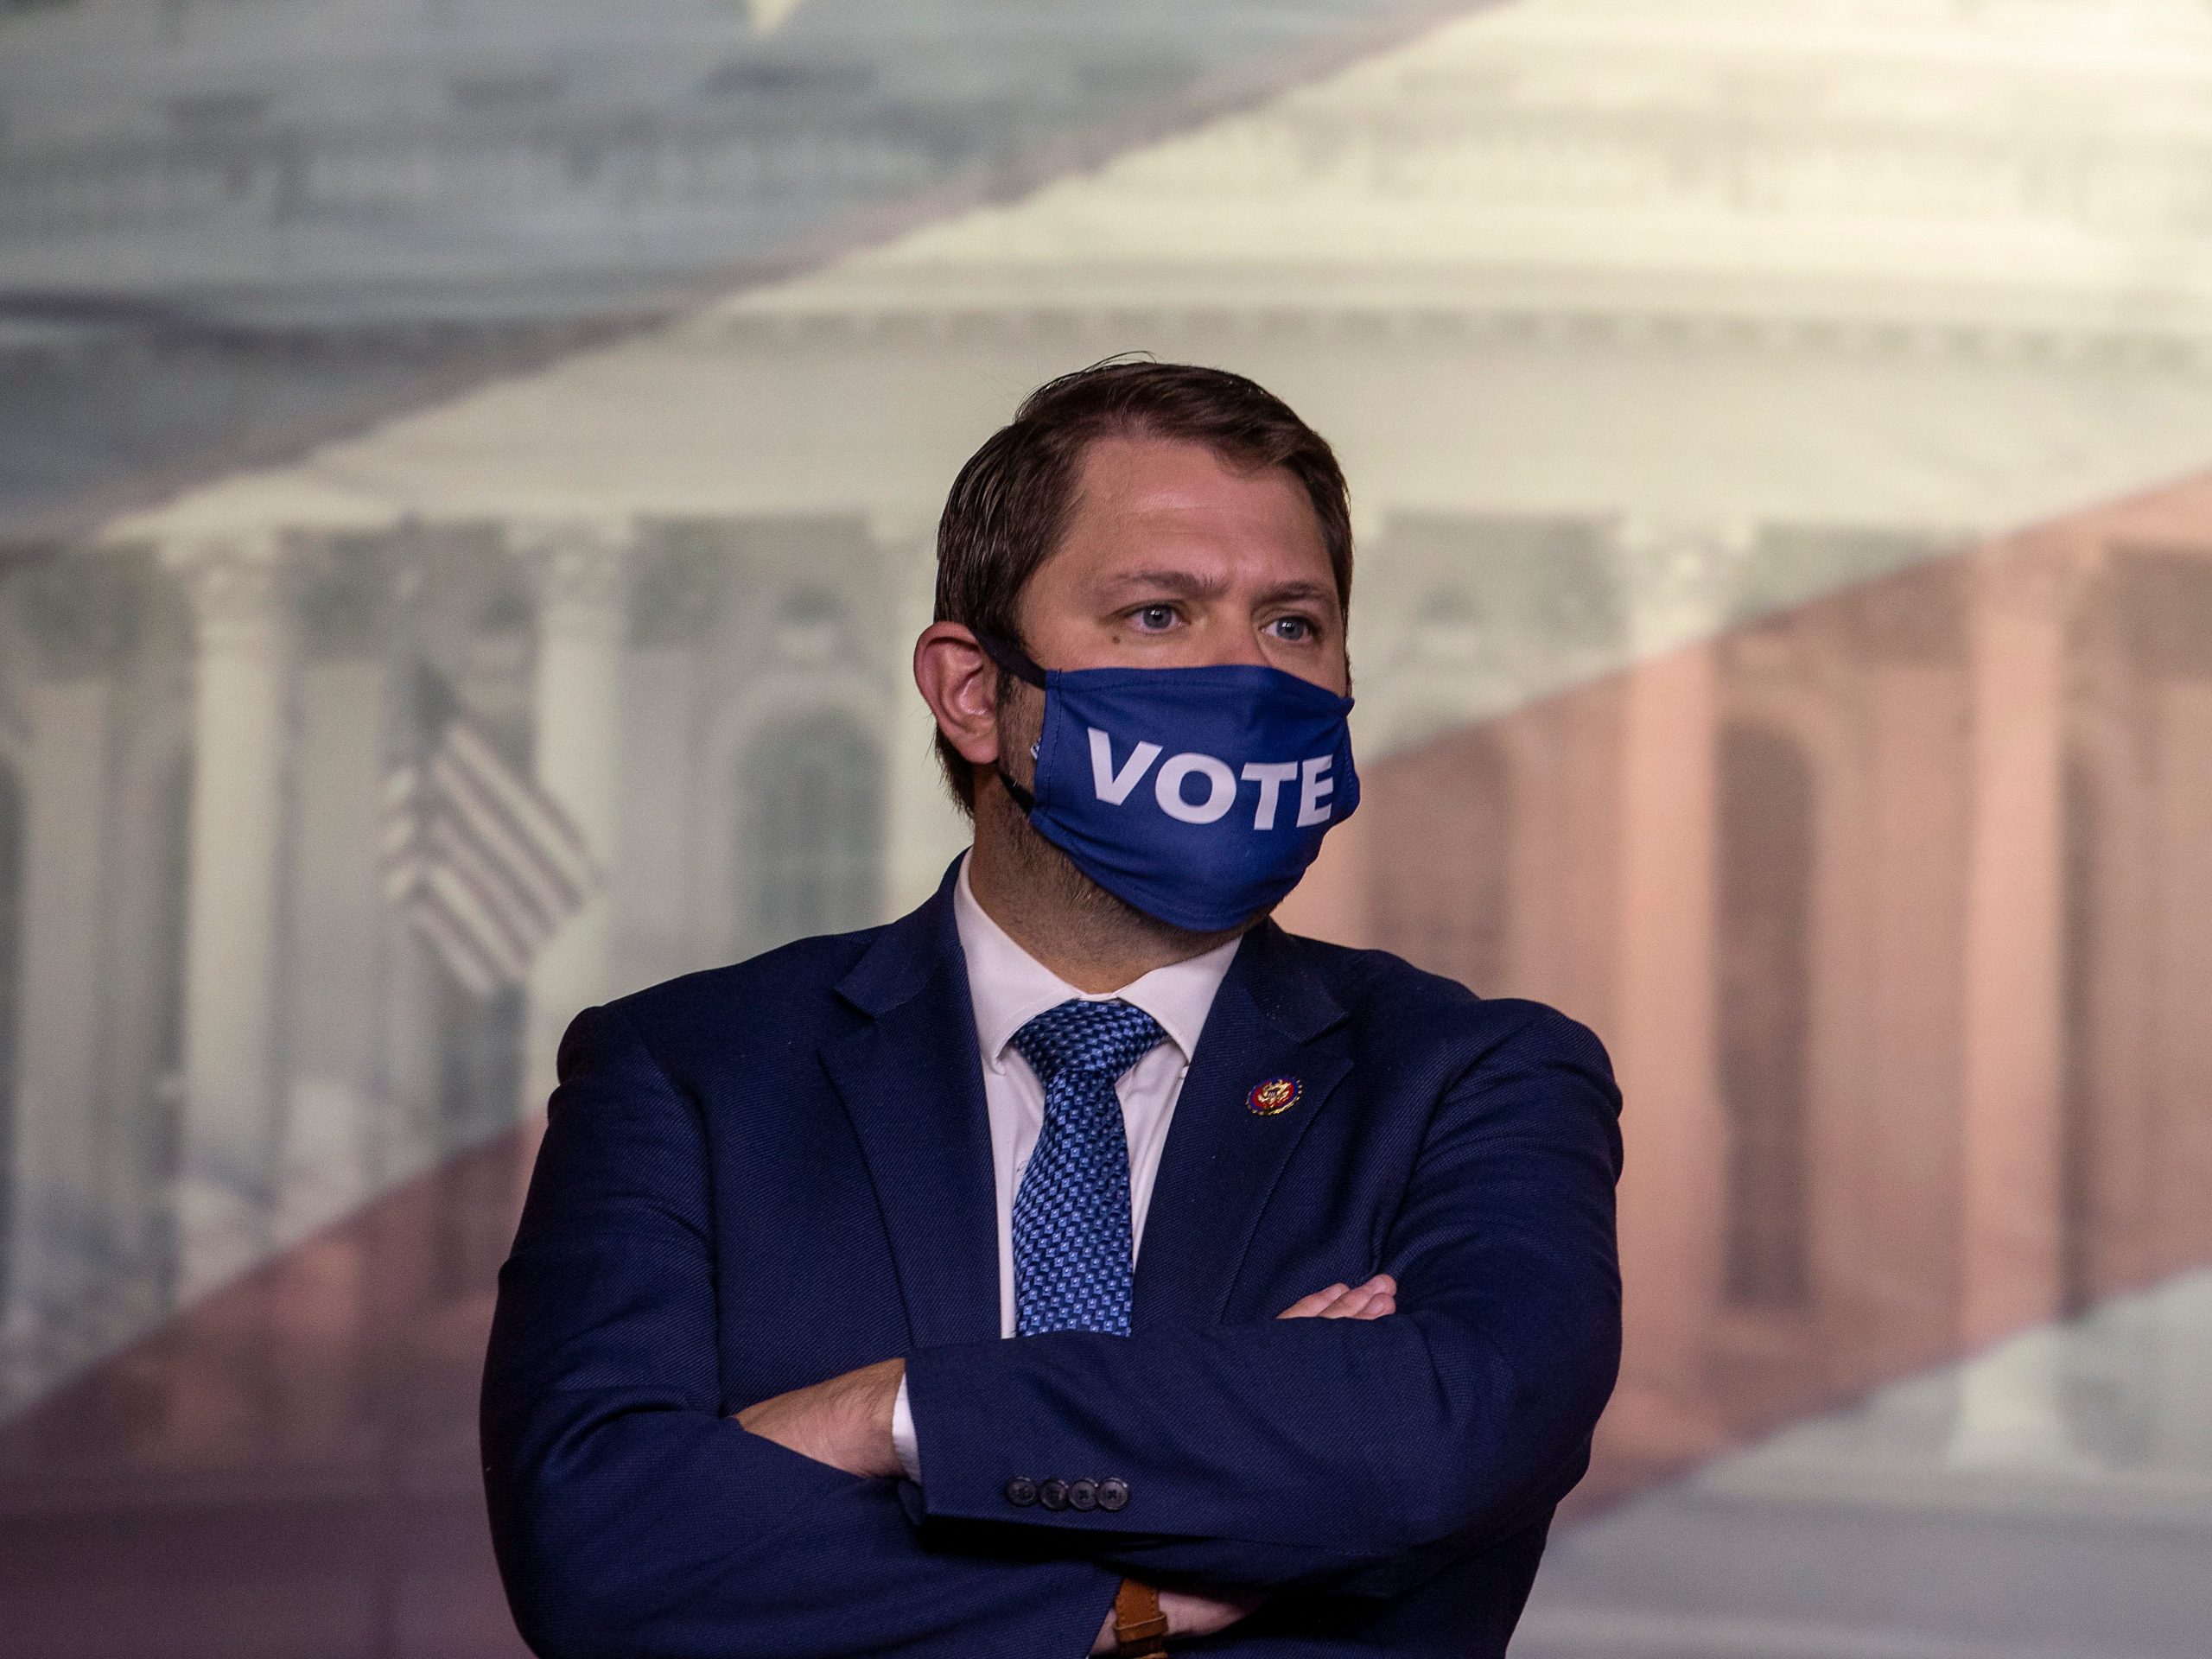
1101,1040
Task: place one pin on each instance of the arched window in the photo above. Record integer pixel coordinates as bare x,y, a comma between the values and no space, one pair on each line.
1763,1012
2079,922
11,934
1443,823
811,852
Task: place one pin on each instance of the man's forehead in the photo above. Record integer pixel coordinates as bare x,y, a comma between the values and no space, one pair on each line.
1193,499
1136,472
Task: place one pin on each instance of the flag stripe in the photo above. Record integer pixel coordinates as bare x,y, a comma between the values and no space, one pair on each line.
481,861
444,886
548,828
500,839
521,925
462,788
455,947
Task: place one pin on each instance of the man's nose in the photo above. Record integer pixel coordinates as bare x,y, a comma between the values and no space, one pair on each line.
1236,641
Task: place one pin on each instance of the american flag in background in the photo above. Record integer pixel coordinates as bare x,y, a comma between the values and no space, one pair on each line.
482,862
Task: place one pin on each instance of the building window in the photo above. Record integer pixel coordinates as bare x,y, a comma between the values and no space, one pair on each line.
811,857
11,934
1764,1011
1444,817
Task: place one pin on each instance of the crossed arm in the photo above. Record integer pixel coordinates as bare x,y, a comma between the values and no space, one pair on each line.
846,1423
631,1517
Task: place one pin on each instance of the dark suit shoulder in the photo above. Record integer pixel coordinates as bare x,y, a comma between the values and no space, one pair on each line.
1390,1000
780,996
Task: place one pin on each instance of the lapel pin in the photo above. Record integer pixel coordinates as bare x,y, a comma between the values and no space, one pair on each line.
1275,1094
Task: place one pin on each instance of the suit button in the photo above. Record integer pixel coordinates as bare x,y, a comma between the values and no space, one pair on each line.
1021,1490
1083,1495
1053,1493
1113,1493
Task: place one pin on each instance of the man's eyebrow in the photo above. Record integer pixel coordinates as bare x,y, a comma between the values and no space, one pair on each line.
1290,590
1173,582
1190,583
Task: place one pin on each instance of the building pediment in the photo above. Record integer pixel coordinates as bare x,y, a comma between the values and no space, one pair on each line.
2043,166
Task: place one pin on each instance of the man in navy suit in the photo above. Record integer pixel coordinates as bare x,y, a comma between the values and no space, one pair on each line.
1080,1263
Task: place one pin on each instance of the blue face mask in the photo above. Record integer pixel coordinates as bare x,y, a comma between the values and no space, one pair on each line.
1198,795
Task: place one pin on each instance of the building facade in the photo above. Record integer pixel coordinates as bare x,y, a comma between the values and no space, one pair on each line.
1640,334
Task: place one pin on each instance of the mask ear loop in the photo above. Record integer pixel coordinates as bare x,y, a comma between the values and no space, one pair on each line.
1011,659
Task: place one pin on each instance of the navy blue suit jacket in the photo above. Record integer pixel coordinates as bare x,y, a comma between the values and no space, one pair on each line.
759,1177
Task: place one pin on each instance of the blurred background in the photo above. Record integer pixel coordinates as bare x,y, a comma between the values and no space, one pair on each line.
467,473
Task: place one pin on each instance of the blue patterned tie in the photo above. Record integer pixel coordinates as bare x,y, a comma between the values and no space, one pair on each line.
1072,1216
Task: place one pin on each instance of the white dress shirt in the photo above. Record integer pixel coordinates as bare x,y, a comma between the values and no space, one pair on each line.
1009,987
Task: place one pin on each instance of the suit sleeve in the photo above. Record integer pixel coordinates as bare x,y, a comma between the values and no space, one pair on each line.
1345,1453
630,1517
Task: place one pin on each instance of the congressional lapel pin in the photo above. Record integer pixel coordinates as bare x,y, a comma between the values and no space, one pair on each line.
1275,1094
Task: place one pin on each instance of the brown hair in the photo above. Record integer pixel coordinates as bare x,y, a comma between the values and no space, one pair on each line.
1010,505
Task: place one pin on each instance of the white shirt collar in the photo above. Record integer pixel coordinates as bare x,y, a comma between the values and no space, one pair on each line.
1009,987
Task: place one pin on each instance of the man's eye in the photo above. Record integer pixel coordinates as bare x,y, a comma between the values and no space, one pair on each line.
1154,618
1294,629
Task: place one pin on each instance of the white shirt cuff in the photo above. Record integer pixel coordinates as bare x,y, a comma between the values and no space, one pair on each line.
902,1434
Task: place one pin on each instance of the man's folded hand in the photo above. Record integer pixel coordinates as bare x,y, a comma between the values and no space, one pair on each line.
1370,1301
844,1422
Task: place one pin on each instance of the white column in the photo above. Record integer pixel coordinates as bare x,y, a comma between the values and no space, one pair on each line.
224,1194
1661,1034
2178,1065
58,1225
335,907
1903,1087
2011,1135
580,574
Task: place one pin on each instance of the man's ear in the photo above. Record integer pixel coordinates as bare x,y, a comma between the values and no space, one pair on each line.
960,684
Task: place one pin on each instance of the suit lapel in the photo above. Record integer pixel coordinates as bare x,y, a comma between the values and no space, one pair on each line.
912,1084
1272,1018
